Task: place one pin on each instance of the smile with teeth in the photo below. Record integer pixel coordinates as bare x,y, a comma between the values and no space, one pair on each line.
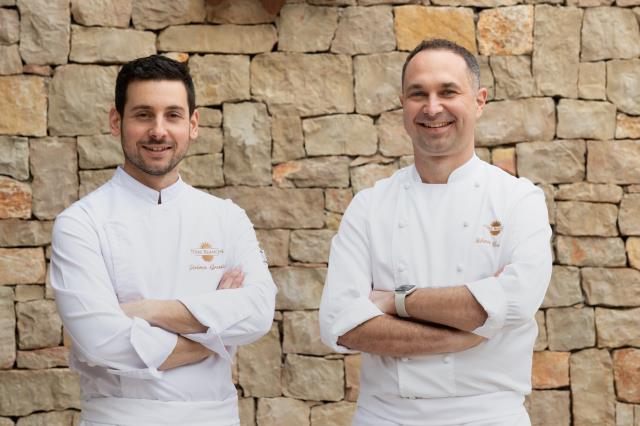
156,148
435,125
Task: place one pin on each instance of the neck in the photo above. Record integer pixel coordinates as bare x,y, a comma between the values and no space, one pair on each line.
434,169
157,183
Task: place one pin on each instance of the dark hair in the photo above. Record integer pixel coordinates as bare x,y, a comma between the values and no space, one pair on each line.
154,67
442,44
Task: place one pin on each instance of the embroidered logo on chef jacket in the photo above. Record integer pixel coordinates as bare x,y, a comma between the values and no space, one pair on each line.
207,253
494,229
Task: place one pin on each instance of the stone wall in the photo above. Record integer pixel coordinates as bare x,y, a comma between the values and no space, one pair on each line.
300,111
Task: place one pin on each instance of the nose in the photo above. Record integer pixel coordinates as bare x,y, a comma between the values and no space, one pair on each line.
432,106
158,130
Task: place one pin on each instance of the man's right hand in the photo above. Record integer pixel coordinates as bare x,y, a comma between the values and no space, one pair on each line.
232,278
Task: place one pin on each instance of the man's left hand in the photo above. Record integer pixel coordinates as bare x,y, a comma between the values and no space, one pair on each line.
384,300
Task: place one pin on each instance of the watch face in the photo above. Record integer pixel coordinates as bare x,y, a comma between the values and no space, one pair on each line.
404,288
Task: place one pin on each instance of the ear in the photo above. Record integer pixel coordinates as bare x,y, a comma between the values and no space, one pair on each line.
481,100
193,125
115,122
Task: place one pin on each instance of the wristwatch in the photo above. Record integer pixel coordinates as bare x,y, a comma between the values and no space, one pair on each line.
401,293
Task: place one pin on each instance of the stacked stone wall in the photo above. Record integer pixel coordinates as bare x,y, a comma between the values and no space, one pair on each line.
299,112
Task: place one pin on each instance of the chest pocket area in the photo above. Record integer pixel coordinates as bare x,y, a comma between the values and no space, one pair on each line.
484,256
128,259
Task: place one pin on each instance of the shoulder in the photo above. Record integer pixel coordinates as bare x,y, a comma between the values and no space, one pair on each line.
504,183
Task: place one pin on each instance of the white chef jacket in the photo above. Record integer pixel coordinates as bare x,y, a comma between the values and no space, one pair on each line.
404,231
119,245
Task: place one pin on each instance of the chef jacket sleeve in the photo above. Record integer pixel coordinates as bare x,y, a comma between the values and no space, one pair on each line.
512,298
243,315
101,333
345,302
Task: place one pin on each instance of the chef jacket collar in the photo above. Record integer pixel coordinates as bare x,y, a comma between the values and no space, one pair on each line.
462,173
141,190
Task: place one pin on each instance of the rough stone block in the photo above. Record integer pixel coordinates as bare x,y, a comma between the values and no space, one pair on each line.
505,158
209,141
220,78
585,191
302,334
305,28
44,358
311,84
110,45
365,176
21,233
506,30
9,26
203,170
99,152
311,246
590,251
550,370
394,140
627,127
209,117
333,414
350,134
609,33
238,12
52,418
592,388
28,292
629,219
364,30
513,77
611,286
10,62
504,122
314,379
618,327
564,288
623,85
23,102
549,192
39,325
626,370
313,172
247,409
7,329
570,328
282,412
552,162
613,162
337,200
298,288
45,26
90,180
586,119
549,408
415,23
624,414
580,218
104,13
245,39
378,82
260,366
633,251
275,243
286,133
22,266
148,14
24,392
15,199
592,81
352,377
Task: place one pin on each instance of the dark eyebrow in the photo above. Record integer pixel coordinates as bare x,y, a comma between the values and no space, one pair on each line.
148,107
450,86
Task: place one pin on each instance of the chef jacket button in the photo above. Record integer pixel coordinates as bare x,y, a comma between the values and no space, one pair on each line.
401,267
406,186
412,397
404,359
446,359
402,224
465,224
459,268
476,184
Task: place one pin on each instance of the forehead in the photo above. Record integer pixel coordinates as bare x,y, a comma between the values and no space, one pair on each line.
156,93
437,66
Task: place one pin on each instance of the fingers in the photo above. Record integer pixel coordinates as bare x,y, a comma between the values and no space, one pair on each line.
231,279
497,274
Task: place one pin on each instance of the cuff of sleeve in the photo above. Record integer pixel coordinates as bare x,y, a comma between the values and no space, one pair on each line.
153,345
493,300
356,313
212,341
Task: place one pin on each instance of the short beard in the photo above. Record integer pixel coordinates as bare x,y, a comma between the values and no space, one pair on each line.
140,164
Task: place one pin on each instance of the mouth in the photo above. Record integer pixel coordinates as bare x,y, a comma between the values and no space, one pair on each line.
434,124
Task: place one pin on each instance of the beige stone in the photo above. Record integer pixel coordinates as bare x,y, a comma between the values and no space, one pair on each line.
90,180
337,200
247,411
282,412
312,378
592,388
220,78
552,162
586,119
14,157
550,370
613,162
503,122
44,31
238,12
364,30
24,392
332,220
44,358
104,13
39,325
203,170
311,246
209,141
623,84
592,81
617,327
55,175
626,370
611,286
313,172
570,328
28,292
310,84
394,140
365,176
9,26
218,38
486,76
333,414
286,133
513,77
10,62
287,208
99,152
590,251
415,23
624,414
349,134
52,418
15,199
557,50
22,266
549,192
627,127
80,97
585,191
16,233
247,145
259,366
549,408
275,243
43,70
298,288
609,33
305,28
378,82
580,218
505,158
110,45
302,334
564,288
209,117
506,31
23,102
633,251
352,377
629,219
147,14
7,329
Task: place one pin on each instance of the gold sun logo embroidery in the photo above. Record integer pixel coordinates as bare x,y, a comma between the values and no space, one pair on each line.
207,256
495,228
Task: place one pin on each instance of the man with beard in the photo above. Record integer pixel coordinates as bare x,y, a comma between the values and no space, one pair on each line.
157,282
436,273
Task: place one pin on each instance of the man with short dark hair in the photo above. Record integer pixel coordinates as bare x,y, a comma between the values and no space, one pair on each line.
155,281
436,273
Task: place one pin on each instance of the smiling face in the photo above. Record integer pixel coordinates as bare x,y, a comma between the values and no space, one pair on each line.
441,104
155,130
